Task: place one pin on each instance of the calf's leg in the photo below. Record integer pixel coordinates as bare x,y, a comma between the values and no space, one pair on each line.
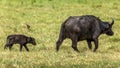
21,47
10,46
26,48
6,45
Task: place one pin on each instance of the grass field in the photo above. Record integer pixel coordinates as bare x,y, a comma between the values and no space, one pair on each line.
45,18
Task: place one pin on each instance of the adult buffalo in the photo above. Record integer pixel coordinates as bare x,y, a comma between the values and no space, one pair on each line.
86,27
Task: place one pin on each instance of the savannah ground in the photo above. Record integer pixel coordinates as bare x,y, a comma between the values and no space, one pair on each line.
45,18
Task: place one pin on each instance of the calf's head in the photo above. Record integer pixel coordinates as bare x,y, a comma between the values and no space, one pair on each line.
108,28
31,40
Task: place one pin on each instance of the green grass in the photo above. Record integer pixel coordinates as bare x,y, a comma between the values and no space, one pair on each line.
45,18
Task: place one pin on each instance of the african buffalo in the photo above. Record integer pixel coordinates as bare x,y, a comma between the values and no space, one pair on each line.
19,39
86,27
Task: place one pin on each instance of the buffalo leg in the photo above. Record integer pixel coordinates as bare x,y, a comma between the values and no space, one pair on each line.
61,38
6,45
21,47
26,48
96,44
95,39
10,46
58,43
74,43
89,44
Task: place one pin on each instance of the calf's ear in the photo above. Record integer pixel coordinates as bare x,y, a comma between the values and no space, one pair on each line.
112,22
29,38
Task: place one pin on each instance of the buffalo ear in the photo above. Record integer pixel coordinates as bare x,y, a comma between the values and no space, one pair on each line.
107,26
112,22
29,38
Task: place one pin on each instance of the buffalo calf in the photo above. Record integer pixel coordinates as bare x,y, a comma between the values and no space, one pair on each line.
19,39
86,27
